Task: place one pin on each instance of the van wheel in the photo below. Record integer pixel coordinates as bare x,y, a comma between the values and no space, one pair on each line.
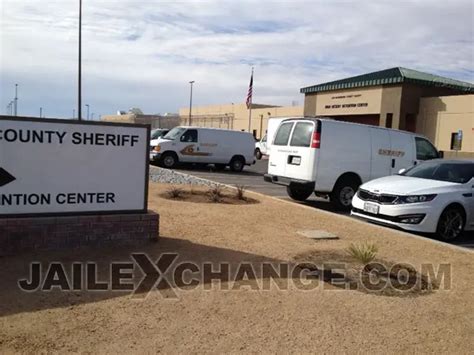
298,193
237,164
168,160
258,154
451,223
344,191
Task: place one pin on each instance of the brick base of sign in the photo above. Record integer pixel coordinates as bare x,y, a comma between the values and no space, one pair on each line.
42,233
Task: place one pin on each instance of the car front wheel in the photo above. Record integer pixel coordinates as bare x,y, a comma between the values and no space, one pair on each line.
451,223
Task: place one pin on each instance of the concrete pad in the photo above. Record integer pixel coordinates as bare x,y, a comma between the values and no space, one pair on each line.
317,234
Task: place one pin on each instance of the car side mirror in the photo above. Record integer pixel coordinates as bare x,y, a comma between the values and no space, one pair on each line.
401,171
441,154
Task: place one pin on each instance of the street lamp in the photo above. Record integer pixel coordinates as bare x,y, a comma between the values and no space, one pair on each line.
79,89
16,99
41,112
191,101
87,105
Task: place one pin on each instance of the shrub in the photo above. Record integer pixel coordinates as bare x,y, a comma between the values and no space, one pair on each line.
240,193
364,253
175,192
215,194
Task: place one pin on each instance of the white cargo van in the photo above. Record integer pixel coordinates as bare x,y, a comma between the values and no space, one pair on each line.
201,145
263,146
332,158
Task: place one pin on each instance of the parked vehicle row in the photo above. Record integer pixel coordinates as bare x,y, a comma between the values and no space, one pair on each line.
200,145
334,158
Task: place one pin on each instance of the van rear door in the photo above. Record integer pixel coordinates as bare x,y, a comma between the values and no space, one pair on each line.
280,149
300,162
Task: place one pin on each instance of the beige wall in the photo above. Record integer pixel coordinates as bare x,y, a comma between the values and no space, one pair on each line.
236,116
391,103
439,117
154,121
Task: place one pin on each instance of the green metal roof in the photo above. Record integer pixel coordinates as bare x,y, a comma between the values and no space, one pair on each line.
391,76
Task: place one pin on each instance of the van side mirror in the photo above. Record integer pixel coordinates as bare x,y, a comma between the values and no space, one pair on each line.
401,171
441,154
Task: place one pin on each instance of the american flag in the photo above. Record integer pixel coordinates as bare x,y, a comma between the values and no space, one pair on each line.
248,101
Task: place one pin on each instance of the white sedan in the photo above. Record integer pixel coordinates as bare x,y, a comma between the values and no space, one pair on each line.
433,197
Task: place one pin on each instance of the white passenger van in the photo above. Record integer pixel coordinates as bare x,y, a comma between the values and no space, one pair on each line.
332,158
201,145
263,146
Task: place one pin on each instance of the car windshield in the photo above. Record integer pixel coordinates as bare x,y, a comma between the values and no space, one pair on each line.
158,133
175,133
443,171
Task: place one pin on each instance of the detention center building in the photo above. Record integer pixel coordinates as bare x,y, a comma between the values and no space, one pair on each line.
399,98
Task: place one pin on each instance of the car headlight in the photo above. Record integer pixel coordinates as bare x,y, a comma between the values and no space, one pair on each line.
157,148
414,199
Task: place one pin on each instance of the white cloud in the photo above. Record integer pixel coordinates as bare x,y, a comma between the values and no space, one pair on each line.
143,53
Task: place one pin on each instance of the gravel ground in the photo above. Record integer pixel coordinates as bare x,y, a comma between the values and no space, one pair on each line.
236,317
166,176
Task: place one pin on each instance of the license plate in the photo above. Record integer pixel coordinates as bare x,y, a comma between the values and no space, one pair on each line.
371,207
296,160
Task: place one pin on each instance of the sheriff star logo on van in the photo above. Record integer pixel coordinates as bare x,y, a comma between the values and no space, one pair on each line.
189,150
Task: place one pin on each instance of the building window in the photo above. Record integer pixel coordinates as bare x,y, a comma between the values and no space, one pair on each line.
388,120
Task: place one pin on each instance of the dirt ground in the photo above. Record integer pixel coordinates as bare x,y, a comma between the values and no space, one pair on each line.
243,318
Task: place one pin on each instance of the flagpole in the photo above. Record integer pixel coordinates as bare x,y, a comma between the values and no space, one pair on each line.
250,106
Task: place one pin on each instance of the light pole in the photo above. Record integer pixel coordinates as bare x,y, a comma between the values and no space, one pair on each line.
79,89
73,114
191,101
16,99
87,105
41,112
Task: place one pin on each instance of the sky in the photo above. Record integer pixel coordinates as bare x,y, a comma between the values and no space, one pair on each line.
144,53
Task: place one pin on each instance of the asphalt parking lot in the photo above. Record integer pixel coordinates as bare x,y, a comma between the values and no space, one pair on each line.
252,178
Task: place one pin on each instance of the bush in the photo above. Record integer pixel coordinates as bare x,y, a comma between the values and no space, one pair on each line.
240,193
175,192
364,253
215,194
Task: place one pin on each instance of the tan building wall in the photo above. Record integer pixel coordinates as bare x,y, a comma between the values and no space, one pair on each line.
236,116
373,105
440,117
155,121
354,102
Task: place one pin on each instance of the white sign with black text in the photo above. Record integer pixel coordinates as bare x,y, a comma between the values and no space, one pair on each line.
66,167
